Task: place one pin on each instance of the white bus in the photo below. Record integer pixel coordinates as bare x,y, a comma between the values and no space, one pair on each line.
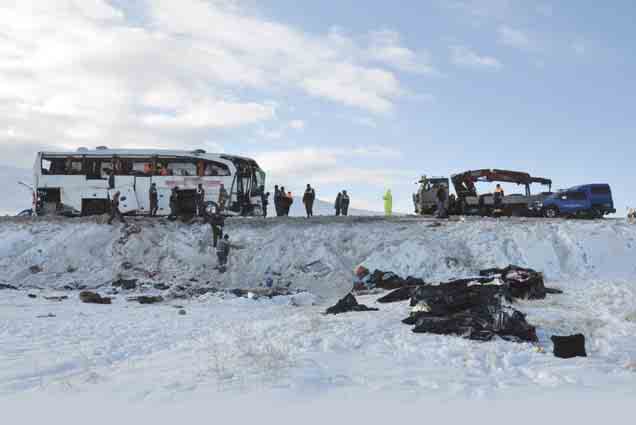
76,183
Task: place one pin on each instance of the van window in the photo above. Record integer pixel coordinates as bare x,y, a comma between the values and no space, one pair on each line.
600,190
576,196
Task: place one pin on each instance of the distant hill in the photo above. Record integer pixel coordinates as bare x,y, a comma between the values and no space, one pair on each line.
14,197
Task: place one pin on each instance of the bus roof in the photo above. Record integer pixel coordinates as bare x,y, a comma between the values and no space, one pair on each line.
100,153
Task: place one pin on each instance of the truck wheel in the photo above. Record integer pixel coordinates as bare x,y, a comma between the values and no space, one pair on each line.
596,213
551,212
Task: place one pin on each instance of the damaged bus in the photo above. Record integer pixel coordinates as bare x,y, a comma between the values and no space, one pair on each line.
76,183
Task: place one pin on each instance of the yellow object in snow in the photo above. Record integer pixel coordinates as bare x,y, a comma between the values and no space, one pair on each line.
388,203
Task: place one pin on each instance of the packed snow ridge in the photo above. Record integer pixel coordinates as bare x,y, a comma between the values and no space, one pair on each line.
317,255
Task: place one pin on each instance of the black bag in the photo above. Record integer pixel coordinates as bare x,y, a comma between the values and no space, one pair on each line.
566,347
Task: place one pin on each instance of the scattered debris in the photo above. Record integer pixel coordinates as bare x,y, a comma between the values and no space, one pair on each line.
71,269
32,296
127,284
35,269
127,265
93,298
46,316
147,299
7,286
567,347
182,312
347,304
161,286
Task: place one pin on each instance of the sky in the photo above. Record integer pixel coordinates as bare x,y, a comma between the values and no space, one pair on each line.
344,94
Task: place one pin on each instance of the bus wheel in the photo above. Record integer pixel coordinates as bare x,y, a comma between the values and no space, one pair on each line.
551,212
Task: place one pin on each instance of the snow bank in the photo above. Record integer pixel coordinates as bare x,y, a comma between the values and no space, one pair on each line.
318,255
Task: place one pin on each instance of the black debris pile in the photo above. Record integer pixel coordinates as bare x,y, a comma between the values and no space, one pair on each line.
397,295
147,299
127,284
382,280
7,286
520,283
469,308
347,304
93,298
263,292
567,347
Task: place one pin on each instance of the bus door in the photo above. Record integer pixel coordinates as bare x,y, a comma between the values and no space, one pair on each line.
142,189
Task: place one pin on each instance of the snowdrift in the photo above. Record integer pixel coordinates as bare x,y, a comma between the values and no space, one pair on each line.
318,255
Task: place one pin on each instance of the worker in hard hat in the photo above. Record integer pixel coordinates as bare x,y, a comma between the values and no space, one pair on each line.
388,203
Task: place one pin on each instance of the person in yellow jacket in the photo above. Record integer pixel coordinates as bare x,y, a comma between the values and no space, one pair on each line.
388,202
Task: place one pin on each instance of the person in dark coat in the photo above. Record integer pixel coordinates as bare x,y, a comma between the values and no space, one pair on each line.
344,203
277,200
114,209
174,203
223,252
111,179
200,200
154,200
338,204
265,203
282,200
308,199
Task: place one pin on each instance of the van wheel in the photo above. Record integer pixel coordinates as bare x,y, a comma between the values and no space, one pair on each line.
551,212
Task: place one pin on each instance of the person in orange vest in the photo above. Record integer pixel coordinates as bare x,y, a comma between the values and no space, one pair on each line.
499,194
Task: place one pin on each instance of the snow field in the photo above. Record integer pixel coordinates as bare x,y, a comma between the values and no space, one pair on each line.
132,352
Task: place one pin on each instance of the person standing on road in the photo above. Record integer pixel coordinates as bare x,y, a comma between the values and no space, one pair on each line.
111,179
289,200
223,198
174,203
154,200
441,198
344,203
114,209
200,200
338,203
265,203
277,200
388,203
498,197
308,199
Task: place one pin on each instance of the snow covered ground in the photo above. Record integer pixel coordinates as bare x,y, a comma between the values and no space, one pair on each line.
14,197
230,348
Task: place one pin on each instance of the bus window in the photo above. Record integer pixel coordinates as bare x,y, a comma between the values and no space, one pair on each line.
183,168
142,168
47,166
216,169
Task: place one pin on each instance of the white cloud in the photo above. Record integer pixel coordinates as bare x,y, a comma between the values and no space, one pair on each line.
76,72
515,38
465,57
386,47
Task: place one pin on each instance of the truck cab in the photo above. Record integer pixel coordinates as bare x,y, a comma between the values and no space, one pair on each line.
590,200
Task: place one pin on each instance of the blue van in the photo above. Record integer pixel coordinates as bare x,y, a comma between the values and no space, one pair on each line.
590,200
